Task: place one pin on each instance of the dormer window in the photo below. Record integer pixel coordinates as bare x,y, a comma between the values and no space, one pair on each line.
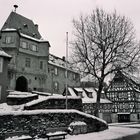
24,45
90,94
80,93
25,25
33,48
34,34
9,39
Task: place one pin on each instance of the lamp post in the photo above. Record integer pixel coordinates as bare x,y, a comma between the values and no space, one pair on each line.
52,72
66,70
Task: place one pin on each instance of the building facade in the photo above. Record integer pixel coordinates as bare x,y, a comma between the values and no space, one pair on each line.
4,60
89,96
124,92
29,68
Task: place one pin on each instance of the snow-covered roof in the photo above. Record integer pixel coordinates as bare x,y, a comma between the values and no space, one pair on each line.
93,100
71,92
79,89
24,35
4,54
88,78
59,62
9,29
85,97
32,38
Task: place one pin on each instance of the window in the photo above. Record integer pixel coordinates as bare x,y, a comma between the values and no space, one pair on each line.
1,64
66,74
55,71
74,76
24,45
28,62
9,39
56,86
90,95
41,64
34,48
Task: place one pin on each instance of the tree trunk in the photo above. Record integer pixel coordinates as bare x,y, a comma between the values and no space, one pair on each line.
97,106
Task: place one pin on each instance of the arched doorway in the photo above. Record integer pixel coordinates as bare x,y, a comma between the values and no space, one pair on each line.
21,84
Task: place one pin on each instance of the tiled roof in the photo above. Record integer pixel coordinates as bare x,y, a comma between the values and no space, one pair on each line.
60,62
23,24
130,79
85,98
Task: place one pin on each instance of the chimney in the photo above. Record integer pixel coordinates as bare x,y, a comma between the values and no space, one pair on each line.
63,58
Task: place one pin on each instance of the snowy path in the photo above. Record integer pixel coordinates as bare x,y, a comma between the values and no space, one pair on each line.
110,134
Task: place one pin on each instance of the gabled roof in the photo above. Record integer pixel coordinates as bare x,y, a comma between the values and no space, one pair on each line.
85,97
21,23
60,62
131,80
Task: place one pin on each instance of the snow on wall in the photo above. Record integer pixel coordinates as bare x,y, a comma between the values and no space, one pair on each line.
36,112
18,94
38,121
49,97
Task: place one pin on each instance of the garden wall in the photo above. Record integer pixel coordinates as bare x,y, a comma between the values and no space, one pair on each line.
37,121
58,102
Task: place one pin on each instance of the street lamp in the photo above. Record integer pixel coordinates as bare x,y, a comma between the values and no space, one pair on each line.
52,73
66,70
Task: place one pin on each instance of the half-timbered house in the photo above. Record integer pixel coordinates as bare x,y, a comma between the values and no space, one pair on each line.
124,92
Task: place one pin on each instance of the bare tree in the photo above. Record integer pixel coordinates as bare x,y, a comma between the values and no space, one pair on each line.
103,41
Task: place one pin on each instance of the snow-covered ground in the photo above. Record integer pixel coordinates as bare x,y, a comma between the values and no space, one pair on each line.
115,130
109,134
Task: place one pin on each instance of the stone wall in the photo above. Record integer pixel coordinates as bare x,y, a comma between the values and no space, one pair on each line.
57,103
19,101
37,122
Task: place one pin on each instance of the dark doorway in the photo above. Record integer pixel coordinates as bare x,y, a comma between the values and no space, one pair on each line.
22,84
123,117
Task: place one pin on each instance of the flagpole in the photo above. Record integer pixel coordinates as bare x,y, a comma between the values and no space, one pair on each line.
66,70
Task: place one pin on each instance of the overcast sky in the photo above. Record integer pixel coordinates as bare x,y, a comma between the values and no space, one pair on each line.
54,17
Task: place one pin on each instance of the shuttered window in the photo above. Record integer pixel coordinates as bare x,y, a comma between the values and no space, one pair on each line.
27,62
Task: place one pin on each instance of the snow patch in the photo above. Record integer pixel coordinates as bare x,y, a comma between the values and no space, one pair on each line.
18,94
78,123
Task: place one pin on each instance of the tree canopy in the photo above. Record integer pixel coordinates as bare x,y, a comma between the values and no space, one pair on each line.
103,43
